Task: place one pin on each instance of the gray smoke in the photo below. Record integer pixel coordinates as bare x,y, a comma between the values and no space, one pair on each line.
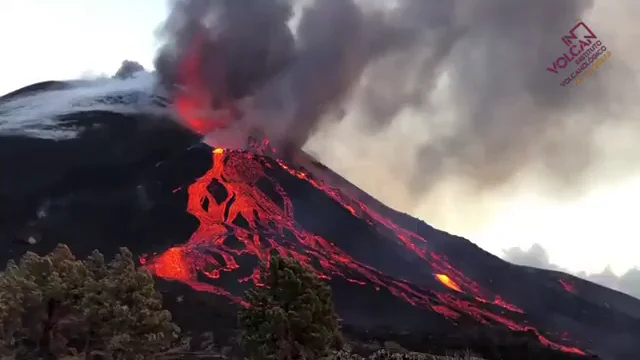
127,69
243,43
375,60
537,256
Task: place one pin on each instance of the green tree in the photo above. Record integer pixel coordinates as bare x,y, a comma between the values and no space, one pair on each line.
56,305
291,317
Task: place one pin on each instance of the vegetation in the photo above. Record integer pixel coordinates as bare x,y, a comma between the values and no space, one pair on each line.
59,307
291,317
55,306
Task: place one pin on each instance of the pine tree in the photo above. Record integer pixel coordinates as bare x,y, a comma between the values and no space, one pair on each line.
291,317
56,305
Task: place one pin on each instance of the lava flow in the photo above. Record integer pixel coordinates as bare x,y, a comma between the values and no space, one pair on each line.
241,220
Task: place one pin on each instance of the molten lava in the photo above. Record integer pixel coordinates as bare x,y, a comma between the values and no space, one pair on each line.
444,279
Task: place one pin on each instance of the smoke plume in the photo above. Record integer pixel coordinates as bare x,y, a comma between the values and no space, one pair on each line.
461,84
128,69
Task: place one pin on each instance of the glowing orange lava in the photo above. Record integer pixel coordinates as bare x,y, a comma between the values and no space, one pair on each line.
444,279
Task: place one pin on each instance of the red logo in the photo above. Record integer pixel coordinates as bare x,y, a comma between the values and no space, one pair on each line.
584,48
570,39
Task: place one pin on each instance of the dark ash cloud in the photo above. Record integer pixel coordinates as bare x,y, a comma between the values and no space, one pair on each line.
376,60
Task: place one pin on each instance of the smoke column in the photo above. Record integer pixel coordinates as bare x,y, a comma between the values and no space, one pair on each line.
462,86
128,69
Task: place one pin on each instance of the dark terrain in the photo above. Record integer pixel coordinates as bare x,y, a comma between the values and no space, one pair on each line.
202,221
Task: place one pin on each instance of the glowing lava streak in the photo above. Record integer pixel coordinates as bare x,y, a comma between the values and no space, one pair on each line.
414,242
567,286
446,281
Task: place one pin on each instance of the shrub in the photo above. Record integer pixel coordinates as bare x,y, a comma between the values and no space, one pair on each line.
291,317
56,305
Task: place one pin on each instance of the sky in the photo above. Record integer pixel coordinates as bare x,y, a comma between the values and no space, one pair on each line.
69,38
587,232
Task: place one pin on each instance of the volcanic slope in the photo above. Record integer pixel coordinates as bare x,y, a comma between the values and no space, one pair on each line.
249,205
126,180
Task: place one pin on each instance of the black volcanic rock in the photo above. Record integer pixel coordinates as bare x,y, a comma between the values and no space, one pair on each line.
124,180
34,88
91,184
